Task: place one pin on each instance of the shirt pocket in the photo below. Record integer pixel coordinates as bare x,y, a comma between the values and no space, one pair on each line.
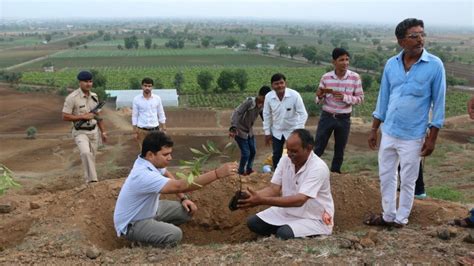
419,85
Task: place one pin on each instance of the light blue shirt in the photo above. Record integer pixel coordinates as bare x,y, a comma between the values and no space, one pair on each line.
405,98
139,196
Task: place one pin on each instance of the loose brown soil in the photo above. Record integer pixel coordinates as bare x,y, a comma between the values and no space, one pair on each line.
73,217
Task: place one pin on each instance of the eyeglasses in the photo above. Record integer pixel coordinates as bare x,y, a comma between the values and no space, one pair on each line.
415,35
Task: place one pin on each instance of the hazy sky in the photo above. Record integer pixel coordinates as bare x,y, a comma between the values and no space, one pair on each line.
433,12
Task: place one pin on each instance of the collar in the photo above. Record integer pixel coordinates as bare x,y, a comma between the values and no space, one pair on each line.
334,76
143,96
275,96
303,168
146,164
83,95
424,56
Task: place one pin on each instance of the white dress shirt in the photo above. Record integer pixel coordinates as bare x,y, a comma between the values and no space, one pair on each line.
280,118
147,113
312,180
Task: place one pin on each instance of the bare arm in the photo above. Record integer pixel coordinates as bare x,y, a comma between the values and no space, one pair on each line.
73,118
373,133
271,196
430,141
179,186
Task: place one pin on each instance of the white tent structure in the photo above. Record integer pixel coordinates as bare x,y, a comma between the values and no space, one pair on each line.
124,98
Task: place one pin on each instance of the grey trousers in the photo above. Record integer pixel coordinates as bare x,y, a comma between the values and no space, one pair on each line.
160,231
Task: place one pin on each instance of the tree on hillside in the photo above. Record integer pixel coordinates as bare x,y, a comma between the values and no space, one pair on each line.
226,80
206,41
367,81
375,41
204,79
99,79
131,42
241,78
293,51
366,61
344,45
230,41
335,42
175,43
11,77
309,52
134,84
159,83
107,37
282,48
47,37
252,44
148,42
178,81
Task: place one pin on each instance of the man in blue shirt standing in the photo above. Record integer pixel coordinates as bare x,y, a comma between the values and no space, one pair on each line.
413,83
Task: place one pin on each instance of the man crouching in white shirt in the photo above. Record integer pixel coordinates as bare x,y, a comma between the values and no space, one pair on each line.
140,215
299,193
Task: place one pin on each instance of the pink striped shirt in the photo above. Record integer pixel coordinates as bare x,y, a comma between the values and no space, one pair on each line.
350,85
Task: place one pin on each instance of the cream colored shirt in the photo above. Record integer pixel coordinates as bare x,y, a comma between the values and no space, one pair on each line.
311,180
77,103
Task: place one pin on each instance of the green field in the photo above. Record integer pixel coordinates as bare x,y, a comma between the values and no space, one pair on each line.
242,60
118,77
13,42
72,53
120,41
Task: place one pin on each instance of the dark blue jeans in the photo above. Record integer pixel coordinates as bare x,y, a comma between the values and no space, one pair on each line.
258,226
341,126
277,146
247,153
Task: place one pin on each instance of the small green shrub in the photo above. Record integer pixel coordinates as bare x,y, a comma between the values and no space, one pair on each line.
201,157
6,179
31,133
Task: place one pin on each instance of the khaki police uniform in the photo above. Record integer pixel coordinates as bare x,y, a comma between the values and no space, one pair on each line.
87,137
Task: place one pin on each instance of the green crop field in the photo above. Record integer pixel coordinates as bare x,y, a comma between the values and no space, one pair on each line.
118,77
238,59
120,41
72,53
6,42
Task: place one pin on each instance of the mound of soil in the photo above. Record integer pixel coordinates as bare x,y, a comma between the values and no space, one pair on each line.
83,216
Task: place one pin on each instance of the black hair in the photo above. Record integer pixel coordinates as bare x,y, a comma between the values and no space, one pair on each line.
155,141
307,140
339,52
402,27
277,77
147,81
264,90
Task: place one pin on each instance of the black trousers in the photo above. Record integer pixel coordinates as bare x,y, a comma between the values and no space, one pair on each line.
257,225
420,184
277,146
341,125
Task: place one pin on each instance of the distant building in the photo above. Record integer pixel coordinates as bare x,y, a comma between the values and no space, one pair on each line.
124,98
270,46
48,68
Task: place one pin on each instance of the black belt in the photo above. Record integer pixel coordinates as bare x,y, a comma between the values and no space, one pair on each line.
87,128
348,115
149,129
